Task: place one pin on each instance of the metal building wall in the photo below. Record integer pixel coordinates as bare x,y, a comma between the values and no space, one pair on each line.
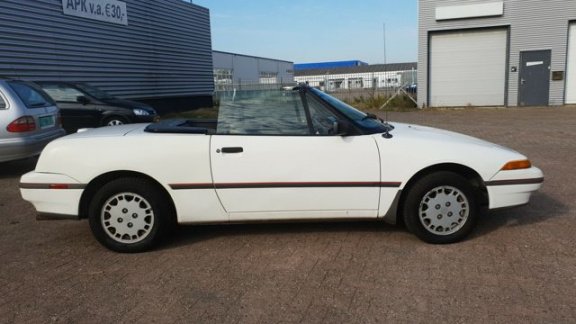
534,25
247,68
164,51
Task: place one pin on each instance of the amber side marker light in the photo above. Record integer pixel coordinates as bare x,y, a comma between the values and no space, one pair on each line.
517,165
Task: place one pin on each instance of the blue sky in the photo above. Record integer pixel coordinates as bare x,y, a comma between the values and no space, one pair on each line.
314,31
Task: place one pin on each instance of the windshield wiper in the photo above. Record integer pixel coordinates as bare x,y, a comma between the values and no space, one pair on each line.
389,127
371,116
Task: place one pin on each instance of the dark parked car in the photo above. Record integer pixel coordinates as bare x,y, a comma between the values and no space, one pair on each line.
85,106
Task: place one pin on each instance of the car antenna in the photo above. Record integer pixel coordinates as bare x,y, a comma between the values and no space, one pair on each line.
389,127
387,134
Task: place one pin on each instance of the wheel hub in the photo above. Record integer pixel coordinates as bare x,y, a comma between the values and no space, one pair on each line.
115,122
127,217
444,210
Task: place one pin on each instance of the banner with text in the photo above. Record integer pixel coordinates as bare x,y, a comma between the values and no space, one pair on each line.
111,11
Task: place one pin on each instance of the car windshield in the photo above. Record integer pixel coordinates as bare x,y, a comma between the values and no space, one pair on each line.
94,92
289,111
31,95
364,120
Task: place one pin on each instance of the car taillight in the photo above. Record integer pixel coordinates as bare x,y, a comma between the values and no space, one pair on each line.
22,124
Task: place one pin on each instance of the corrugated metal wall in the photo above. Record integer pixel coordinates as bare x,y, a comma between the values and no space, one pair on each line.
534,25
164,51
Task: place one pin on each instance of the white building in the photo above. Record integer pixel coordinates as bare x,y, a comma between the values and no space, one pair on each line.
360,77
496,53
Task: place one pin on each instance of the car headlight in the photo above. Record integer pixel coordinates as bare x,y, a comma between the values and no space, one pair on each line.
141,112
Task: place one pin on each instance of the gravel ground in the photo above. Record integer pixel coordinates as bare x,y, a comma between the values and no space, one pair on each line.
519,266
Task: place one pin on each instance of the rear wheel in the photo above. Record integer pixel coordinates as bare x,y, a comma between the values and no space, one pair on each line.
441,208
129,215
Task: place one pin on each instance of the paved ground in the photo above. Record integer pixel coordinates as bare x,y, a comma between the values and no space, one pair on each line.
519,266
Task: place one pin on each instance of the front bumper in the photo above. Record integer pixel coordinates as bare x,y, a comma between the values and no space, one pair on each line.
513,188
55,196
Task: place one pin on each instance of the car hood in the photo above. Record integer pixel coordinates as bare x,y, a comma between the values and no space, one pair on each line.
418,147
431,134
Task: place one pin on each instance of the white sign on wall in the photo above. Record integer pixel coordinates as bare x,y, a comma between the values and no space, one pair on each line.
111,11
476,10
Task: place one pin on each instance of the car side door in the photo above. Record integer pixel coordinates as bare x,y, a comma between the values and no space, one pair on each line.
280,158
77,110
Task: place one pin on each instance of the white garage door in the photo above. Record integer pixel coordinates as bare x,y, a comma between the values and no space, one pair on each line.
468,68
571,69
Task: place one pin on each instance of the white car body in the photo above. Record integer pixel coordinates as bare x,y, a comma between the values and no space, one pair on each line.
292,163
274,177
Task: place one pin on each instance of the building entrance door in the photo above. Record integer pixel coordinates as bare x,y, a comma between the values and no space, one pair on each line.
534,83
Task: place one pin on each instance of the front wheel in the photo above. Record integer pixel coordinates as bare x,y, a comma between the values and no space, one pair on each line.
441,208
114,121
129,215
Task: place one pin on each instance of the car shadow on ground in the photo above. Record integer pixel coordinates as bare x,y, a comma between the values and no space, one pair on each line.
17,168
188,235
541,208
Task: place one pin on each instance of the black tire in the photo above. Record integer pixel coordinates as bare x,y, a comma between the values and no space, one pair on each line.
441,208
130,215
114,121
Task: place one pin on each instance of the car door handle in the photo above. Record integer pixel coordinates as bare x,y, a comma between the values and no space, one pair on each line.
232,150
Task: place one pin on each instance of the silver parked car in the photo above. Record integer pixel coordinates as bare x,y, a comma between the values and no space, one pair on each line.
29,119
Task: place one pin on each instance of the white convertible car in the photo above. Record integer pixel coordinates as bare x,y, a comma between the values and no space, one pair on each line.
280,155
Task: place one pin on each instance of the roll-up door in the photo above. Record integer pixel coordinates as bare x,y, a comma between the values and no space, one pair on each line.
468,68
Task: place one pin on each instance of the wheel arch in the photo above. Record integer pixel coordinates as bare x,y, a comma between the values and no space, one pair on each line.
107,116
102,179
468,173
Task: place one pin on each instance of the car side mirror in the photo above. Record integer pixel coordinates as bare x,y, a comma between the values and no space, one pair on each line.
340,128
83,100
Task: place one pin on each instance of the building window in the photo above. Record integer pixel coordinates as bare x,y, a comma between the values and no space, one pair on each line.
355,83
335,84
268,77
223,76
